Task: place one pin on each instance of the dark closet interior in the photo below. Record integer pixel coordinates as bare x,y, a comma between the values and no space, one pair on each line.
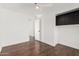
68,18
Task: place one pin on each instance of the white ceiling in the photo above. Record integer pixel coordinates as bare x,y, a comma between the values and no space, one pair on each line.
27,9
24,7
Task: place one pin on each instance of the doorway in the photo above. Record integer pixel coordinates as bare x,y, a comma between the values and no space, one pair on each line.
37,29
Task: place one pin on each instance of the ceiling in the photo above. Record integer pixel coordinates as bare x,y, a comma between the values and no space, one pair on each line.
27,8
24,7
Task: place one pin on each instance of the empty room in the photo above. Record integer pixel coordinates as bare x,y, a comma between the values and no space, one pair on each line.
39,29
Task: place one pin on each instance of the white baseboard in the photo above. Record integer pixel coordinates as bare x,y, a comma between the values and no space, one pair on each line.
54,44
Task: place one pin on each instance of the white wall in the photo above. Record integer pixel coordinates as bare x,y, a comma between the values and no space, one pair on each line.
67,34
52,34
47,27
14,27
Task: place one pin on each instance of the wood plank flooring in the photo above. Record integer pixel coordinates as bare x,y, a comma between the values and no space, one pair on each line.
37,48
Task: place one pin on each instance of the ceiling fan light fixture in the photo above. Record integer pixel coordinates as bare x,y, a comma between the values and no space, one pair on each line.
37,6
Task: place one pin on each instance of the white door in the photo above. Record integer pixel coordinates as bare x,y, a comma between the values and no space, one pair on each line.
37,29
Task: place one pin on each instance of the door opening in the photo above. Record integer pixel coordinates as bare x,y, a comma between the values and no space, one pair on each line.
38,29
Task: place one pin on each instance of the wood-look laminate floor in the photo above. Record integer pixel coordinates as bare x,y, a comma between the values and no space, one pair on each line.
37,48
